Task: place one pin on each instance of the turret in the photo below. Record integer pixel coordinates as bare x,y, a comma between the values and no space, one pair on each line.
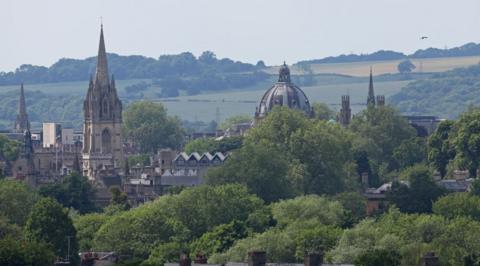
345,112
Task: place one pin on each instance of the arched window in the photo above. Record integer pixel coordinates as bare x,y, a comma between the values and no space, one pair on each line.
106,141
105,108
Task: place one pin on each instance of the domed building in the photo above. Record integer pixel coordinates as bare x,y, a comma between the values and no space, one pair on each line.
283,93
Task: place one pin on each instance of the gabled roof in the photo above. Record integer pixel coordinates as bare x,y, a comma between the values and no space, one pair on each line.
207,155
194,156
182,155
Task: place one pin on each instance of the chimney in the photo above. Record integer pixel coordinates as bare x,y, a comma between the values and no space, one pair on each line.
429,259
185,260
257,258
314,259
365,183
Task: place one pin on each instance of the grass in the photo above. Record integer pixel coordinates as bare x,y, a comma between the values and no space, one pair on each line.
359,69
204,107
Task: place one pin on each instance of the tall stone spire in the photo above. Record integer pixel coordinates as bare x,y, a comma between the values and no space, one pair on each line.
21,123
101,75
371,94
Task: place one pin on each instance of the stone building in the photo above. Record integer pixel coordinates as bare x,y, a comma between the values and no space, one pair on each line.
283,93
103,142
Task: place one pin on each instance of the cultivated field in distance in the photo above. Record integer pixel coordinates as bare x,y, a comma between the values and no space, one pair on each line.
388,67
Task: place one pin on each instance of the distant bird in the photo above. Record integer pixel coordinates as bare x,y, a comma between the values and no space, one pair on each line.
423,37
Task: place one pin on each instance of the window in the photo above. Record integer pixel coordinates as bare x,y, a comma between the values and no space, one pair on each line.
106,141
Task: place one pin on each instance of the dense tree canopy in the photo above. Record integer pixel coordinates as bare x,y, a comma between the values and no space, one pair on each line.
16,201
75,191
418,194
441,150
288,154
467,141
147,124
49,222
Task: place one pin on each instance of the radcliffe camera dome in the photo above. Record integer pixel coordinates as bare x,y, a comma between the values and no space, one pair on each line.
283,93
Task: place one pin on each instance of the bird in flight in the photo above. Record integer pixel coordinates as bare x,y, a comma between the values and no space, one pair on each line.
423,37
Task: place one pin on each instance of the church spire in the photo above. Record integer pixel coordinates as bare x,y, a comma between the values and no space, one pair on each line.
21,123
101,75
371,94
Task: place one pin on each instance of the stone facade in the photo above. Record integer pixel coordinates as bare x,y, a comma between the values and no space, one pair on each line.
103,142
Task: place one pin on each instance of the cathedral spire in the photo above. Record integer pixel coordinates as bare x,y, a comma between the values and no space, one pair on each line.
101,75
21,123
371,94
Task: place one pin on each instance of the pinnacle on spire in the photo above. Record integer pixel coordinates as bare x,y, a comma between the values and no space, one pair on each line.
101,74
371,93
21,123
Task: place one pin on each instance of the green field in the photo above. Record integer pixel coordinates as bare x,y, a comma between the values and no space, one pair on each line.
234,102
203,107
359,69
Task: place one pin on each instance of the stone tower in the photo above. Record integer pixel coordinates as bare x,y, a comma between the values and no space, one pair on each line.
371,94
345,112
102,145
380,100
21,123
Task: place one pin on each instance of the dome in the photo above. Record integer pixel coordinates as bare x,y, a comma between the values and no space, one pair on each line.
283,93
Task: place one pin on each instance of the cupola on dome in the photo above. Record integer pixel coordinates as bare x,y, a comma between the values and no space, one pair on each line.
283,93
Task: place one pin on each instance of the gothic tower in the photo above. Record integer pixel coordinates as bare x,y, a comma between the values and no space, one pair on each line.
345,112
21,123
371,94
102,144
380,100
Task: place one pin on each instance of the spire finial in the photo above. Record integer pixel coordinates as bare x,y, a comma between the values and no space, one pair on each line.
101,74
371,93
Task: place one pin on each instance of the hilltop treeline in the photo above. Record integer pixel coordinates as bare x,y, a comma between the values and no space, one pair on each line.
445,94
127,67
469,49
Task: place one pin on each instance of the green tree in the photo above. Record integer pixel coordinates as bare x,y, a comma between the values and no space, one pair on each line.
440,147
419,194
49,222
458,205
9,149
475,187
87,226
355,207
311,207
235,120
165,252
175,218
378,257
262,167
383,129
147,124
8,229
323,112
16,201
410,152
321,153
75,191
119,198
14,252
467,141
405,66
220,239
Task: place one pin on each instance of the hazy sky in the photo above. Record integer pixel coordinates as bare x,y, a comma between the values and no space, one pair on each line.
41,32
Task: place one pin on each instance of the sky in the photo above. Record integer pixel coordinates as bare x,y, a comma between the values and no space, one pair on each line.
41,32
